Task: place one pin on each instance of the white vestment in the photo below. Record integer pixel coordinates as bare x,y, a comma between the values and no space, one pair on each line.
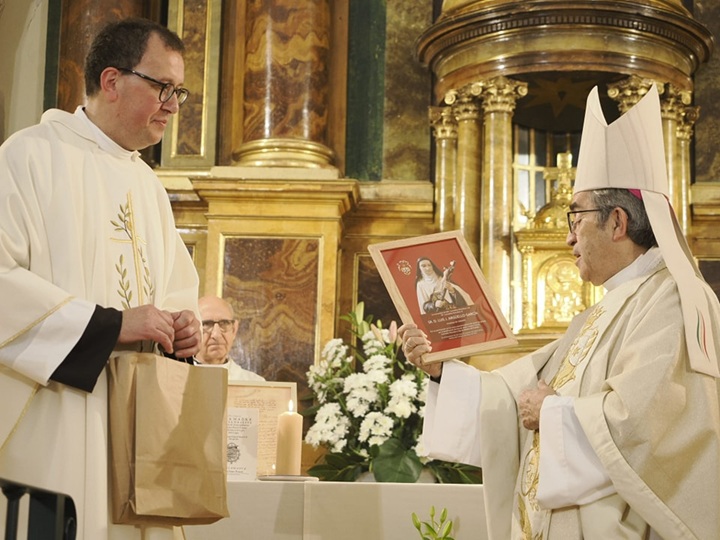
83,223
236,372
650,422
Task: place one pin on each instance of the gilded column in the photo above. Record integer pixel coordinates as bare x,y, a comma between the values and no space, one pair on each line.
629,91
529,307
688,118
444,127
467,184
286,77
672,104
499,96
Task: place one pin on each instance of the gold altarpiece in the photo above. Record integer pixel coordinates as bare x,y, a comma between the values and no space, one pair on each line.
276,184
552,290
255,163
499,64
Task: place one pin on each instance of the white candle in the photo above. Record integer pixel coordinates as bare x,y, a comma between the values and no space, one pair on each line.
289,442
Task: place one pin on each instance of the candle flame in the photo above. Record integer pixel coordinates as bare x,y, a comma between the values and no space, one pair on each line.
290,405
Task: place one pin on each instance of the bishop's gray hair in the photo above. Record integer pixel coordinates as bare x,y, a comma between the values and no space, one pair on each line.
639,229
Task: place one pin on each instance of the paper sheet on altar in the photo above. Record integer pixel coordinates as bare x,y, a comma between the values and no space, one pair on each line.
270,399
242,443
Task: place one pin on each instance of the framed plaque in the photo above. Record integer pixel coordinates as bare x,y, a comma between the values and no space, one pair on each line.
270,399
436,283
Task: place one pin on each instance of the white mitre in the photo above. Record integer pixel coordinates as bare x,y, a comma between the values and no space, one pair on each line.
630,154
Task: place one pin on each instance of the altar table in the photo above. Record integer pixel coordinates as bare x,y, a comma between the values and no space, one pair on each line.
263,510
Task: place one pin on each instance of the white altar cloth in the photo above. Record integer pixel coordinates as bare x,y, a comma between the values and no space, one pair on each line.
342,511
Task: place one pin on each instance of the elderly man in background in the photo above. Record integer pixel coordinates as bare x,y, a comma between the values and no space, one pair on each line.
613,430
219,331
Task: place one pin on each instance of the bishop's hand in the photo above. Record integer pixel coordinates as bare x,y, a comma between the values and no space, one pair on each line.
529,403
415,346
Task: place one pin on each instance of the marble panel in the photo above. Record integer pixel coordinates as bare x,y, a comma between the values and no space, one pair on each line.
81,21
408,89
365,89
190,118
272,284
710,269
373,292
707,92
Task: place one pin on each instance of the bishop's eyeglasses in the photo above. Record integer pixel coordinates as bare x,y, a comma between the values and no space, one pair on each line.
166,89
224,324
572,222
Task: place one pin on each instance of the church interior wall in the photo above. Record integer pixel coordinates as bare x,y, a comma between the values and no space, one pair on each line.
320,220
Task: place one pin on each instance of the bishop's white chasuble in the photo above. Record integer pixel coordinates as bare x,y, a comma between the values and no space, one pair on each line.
650,419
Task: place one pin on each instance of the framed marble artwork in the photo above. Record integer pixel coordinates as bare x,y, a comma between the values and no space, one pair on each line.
272,283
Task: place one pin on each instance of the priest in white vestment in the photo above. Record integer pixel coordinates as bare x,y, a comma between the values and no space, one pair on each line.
90,263
612,431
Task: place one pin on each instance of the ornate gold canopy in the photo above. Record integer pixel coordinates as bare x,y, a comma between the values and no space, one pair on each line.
504,65
653,39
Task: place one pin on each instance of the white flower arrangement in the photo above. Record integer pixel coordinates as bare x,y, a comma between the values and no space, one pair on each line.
368,410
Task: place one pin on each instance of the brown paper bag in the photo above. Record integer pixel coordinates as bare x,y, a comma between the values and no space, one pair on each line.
167,441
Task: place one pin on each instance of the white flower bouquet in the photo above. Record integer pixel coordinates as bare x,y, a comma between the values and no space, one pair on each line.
368,409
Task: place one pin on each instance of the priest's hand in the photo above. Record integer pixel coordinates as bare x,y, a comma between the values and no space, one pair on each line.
187,334
530,402
415,346
147,323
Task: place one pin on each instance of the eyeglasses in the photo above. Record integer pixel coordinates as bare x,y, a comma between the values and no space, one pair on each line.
166,89
224,324
572,223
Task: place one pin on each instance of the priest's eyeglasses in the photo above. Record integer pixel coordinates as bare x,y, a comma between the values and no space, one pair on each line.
224,324
572,222
166,89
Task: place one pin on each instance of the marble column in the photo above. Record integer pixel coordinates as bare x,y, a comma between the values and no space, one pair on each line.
672,105
80,21
444,127
685,131
467,185
285,86
499,96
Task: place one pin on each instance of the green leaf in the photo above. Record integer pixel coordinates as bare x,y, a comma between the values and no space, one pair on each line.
396,463
455,473
333,474
359,312
338,461
311,410
445,529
